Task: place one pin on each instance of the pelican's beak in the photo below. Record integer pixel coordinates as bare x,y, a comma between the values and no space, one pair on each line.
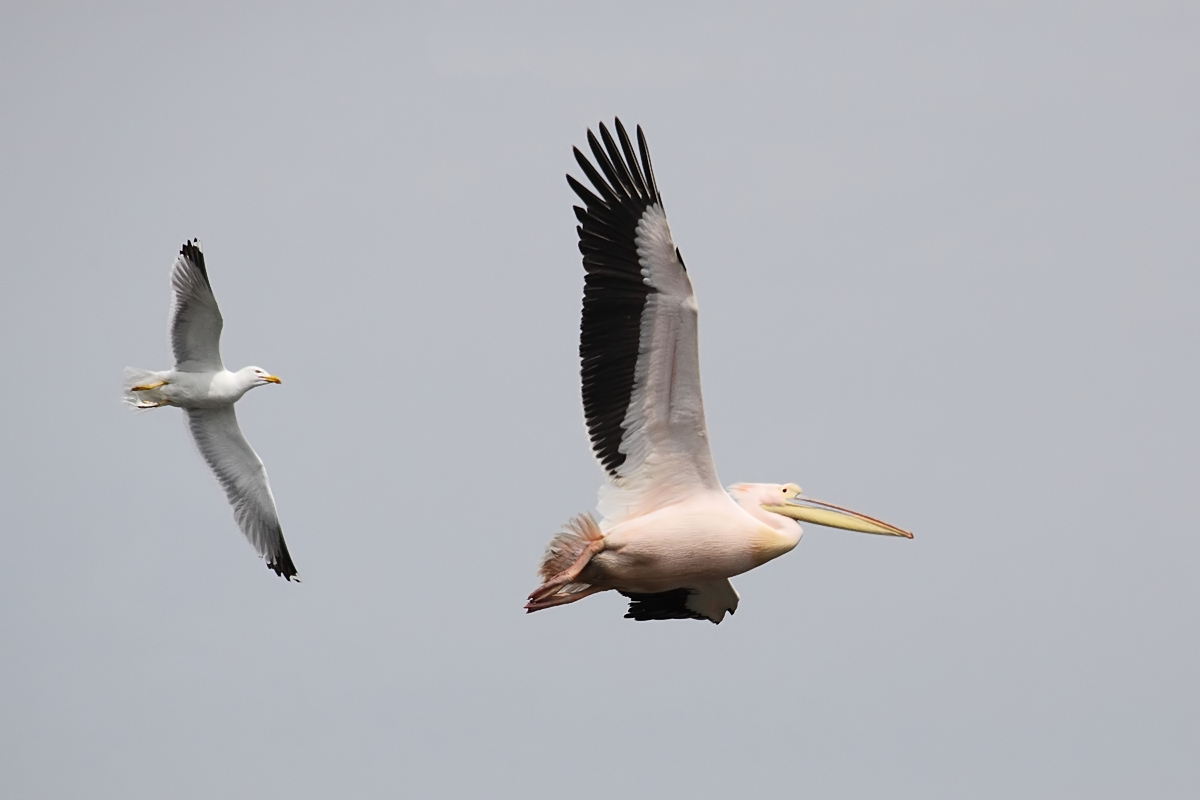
272,379
832,516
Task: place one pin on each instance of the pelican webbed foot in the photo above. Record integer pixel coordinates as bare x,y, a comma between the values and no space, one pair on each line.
561,599
569,574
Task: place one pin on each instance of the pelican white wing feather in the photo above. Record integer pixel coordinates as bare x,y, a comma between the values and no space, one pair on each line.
638,342
244,478
195,318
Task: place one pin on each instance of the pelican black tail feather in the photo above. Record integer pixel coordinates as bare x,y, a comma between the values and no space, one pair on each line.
672,604
710,600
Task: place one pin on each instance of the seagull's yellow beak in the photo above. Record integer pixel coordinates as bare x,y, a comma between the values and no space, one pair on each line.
832,516
272,379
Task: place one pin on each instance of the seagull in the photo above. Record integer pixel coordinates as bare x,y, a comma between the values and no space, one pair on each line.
670,537
202,387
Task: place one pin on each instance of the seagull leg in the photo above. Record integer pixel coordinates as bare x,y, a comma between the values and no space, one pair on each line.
561,599
145,404
568,575
147,387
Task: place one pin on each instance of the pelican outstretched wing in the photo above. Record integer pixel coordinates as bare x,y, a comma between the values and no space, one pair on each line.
244,479
638,348
195,319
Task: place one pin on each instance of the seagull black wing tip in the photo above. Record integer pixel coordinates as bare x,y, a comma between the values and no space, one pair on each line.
192,252
282,566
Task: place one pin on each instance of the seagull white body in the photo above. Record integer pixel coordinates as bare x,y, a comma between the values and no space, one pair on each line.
670,536
198,389
207,391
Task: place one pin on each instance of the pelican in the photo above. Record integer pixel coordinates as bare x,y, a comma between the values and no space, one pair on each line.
670,537
202,386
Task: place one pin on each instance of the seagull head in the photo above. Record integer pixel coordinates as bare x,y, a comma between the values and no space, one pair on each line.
260,376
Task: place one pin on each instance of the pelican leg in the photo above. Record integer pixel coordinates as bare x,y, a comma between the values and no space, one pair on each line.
569,574
561,599
147,387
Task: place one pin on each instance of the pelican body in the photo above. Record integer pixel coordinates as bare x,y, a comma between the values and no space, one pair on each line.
202,386
670,536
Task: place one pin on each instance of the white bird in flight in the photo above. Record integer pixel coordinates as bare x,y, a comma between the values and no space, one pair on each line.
202,387
670,536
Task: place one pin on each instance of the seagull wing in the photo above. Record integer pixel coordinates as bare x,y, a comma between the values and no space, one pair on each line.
638,347
195,319
244,479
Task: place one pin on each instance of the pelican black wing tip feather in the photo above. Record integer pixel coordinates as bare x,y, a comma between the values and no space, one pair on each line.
615,291
671,604
192,252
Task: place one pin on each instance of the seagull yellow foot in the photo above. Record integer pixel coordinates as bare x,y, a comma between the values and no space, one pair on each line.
152,405
147,387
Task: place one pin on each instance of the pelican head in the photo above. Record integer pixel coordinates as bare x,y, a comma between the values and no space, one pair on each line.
785,500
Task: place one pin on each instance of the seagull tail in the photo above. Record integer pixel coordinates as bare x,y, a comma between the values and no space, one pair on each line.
568,545
135,376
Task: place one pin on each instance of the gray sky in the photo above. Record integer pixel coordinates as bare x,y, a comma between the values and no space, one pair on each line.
947,269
